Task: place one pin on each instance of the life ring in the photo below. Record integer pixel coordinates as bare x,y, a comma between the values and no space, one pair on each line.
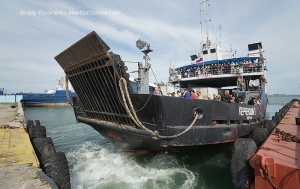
259,135
56,167
241,171
208,75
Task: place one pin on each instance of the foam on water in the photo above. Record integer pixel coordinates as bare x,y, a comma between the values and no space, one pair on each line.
95,165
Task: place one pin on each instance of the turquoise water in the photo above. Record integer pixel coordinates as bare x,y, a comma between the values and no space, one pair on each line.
95,163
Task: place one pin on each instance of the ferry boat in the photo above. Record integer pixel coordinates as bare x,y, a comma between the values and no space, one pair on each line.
60,96
143,121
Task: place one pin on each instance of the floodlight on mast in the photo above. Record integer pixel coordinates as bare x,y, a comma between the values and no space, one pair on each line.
140,44
143,71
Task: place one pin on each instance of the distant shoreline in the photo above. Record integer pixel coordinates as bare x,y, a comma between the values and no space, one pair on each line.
284,95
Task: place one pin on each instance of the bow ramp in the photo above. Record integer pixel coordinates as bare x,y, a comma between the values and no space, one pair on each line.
93,71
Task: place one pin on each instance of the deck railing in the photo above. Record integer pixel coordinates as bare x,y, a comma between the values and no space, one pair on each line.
210,72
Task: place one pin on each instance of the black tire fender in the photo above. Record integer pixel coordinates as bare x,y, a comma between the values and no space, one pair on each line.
56,167
275,119
269,125
278,115
43,146
32,123
282,111
241,171
37,132
259,135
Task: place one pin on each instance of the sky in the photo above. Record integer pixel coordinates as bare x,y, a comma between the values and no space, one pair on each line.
33,32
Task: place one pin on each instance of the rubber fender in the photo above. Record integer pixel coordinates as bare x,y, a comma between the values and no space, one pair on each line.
275,119
279,115
269,125
43,146
283,111
55,165
37,132
32,123
241,171
259,135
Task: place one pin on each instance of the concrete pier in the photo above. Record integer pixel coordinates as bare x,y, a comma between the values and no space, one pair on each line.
19,166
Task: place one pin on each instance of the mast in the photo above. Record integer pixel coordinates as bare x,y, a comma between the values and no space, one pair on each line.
143,71
205,19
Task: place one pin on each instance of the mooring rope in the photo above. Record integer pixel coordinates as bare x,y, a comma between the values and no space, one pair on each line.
132,113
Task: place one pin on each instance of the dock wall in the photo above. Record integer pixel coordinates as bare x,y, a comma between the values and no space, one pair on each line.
19,166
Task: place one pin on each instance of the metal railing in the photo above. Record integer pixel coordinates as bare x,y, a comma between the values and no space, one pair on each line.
237,70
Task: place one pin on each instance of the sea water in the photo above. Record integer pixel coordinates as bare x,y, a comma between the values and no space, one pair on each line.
96,163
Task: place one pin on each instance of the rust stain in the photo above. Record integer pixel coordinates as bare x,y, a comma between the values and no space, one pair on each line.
114,135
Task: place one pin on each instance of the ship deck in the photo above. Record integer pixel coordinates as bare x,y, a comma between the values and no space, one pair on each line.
220,80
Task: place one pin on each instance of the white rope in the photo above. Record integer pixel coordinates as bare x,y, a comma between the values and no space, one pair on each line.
132,113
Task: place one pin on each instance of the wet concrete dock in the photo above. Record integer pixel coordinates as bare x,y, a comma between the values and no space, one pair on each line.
19,165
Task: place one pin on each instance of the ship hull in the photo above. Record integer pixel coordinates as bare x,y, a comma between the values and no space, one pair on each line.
136,141
43,99
221,123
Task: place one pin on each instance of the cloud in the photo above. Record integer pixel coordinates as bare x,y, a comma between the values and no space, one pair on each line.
172,28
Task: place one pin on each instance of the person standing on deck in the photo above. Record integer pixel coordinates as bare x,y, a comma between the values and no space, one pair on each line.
250,66
193,95
159,91
226,97
156,91
185,93
199,95
169,93
241,83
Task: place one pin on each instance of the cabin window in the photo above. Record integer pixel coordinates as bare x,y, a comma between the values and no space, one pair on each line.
212,50
205,52
193,57
254,46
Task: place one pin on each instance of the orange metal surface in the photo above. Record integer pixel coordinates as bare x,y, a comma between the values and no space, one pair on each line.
277,162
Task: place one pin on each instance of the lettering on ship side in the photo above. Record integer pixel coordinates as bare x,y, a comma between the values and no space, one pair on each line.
249,112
